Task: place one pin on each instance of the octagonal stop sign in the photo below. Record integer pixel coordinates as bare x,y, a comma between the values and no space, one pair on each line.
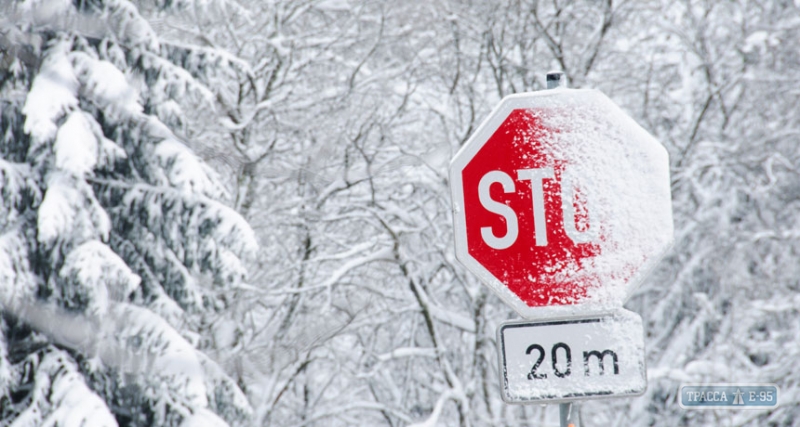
561,203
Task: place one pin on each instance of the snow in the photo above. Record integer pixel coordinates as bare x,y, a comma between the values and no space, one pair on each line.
76,145
76,408
44,11
69,209
81,147
707,371
450,317
203,418
130,27
61,398
780,304
16,182
174,81
105,85
433,418
95,270
333,5
6,377
760,40
154,349
381,254
185,171
231,230
407,352
216,228
167,309
231,269
56,212
223,393
169,112
625,172
110,153
52,95
19,283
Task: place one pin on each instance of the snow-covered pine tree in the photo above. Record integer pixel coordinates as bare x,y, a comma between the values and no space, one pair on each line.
115,250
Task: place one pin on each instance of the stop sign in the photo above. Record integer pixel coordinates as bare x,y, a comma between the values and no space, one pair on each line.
561,202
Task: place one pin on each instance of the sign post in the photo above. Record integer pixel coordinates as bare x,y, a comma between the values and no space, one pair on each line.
564,412
562,206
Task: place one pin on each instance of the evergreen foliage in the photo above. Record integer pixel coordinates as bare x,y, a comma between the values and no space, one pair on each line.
116,251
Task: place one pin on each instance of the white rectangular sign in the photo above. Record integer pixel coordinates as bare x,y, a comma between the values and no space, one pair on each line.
572,359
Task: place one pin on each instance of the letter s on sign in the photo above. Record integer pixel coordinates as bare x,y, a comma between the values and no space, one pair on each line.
493,206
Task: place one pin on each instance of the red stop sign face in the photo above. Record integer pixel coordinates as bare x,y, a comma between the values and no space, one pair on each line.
561,202
543,255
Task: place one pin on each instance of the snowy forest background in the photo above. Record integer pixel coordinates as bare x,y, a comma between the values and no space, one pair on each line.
154,151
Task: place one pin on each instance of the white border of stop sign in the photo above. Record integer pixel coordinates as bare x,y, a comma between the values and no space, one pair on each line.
655,200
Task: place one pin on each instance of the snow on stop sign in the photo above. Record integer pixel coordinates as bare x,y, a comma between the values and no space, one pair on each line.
561,202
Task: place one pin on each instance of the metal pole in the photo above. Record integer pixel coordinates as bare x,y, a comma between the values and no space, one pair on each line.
556,79
565,412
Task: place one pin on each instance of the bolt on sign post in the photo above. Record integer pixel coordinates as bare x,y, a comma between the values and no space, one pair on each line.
562,205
